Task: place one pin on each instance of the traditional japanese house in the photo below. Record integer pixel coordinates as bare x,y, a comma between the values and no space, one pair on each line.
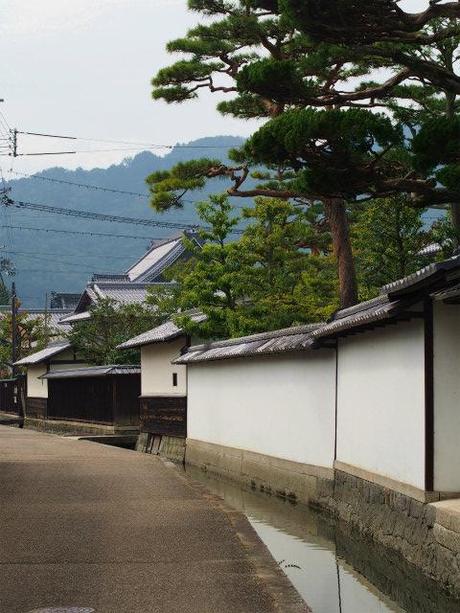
131,287
57,355
163,399
94,399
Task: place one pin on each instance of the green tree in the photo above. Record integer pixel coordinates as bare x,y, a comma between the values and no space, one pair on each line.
388,236
292,63
278,266
96,339
267,279
211,279
33,335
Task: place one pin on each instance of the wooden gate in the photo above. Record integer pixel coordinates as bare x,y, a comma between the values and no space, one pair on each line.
12,395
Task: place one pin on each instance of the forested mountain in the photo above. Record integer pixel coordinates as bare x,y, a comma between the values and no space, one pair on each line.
49,261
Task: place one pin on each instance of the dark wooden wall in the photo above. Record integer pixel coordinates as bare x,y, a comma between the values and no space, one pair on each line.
36,407
164,415
12,395
100,400
126,392
86,399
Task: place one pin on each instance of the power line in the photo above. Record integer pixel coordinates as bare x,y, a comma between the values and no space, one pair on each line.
7,202
101,188
69,255
19,204
129,236
86,185
149,145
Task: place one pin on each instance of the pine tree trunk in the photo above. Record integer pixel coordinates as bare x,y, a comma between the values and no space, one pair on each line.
336,216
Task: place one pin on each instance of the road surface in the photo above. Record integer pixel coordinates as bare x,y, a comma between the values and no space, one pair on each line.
109,530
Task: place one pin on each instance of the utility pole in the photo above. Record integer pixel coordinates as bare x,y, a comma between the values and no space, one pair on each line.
14,328
15,143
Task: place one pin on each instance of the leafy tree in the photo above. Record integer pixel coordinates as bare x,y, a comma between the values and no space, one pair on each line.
33,335
302,66
211,279
277,267
268,279
96,339
388,237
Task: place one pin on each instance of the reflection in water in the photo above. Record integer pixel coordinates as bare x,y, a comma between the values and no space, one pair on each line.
321,559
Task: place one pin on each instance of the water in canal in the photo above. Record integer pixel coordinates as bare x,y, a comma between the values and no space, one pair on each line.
334,570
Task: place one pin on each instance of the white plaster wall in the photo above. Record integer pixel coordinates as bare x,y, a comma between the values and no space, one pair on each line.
381,405
280,406
446,325
37,388
157,370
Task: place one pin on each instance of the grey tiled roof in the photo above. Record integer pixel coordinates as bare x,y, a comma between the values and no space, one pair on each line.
166,332
422,276
45,354
74,317
161,255
372,311
93,371
298,338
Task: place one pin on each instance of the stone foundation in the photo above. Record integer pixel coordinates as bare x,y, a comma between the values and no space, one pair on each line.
75,428
405,522
169,447
298,482
425,535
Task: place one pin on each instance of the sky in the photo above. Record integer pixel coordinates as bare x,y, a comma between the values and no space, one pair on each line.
83,68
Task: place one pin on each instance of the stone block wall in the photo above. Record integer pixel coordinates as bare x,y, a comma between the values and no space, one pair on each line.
425,535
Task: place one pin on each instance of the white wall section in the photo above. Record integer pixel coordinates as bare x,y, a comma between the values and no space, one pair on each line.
281,406
37,388
157,370
446,325
381,402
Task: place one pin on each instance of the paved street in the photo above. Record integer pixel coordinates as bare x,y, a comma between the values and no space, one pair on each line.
110,530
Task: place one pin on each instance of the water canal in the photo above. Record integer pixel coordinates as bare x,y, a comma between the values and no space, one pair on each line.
334,570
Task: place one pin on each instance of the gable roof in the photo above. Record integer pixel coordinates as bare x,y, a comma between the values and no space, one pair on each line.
45,354
298,338
160,256
166,332
398,299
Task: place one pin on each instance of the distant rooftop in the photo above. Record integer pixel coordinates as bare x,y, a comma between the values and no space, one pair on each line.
45,354
93,371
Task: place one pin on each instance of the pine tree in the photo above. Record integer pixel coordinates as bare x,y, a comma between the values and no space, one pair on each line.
286,63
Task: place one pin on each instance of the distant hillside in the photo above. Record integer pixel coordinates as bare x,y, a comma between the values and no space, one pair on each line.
50,261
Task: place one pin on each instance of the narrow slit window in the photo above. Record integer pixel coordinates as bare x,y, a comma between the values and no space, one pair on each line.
174,379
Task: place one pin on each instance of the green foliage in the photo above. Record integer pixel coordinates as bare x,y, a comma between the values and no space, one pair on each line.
167,187
266,280
33,335
388,236
96,339
329,150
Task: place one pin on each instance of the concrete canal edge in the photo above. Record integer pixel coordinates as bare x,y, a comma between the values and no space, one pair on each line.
285,597
422,529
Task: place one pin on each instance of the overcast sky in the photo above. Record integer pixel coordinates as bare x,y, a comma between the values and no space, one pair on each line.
83,67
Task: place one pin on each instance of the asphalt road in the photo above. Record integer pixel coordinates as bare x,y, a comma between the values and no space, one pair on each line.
109,530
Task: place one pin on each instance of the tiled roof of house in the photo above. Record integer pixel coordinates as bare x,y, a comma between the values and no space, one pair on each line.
93,371
159,257
423,276
166,332
298,338
74,317
45,354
